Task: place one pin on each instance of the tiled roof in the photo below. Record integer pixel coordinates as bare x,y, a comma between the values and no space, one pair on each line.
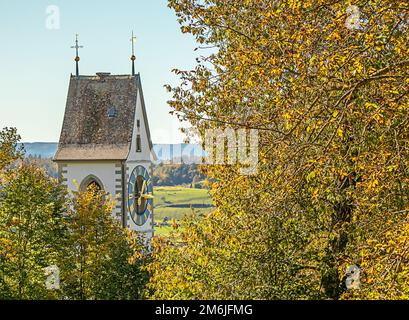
99,118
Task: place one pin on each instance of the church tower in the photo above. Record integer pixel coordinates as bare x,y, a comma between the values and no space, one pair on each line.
105,140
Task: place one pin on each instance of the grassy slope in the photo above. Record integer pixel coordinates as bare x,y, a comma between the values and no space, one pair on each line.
181,195
177,195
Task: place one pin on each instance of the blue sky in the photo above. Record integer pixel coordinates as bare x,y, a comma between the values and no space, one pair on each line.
36,62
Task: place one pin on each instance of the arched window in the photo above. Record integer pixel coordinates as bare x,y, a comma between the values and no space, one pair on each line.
91,180
94,184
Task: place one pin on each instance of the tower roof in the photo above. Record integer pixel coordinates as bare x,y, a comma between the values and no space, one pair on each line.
99,117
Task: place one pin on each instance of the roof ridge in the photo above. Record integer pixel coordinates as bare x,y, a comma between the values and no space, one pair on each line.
110,76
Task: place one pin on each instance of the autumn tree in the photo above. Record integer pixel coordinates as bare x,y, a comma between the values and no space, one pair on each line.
326,84
385,265
102,260
41,227
31,226
31,231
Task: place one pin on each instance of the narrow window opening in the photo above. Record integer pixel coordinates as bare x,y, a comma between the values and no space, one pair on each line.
138,143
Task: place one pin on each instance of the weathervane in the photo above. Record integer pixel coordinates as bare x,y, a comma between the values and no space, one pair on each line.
77,58
133,58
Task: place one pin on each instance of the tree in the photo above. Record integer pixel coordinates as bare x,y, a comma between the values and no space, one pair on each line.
176,174
40,227
385,262
101,260
31,231
9,152
330,101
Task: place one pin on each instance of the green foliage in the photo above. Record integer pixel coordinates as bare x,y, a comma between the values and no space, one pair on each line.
31,231
9,152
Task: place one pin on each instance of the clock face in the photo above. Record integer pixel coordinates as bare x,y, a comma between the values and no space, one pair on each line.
140,198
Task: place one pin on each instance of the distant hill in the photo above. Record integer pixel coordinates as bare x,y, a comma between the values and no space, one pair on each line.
164,152
40,149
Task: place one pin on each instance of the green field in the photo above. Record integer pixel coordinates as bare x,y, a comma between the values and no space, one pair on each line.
176,202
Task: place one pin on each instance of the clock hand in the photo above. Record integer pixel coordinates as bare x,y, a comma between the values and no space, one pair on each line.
141,193
139,200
